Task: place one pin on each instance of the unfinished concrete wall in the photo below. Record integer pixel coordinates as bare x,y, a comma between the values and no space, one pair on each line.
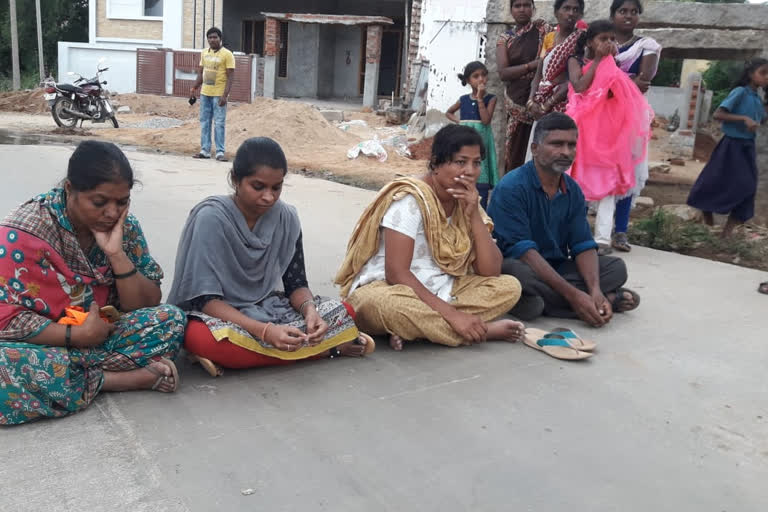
451,31
326,54
666,100
303,55
346,62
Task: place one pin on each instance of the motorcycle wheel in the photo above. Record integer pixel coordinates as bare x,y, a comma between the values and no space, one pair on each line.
114,122
59,116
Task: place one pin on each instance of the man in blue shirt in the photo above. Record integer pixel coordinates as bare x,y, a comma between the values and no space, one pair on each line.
540,219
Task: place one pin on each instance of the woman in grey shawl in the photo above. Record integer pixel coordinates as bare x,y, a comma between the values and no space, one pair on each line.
233,253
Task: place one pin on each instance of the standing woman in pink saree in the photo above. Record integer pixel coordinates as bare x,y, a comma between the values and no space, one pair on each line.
614,121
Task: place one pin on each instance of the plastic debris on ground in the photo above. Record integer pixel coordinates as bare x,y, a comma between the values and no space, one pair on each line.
346,125
372,148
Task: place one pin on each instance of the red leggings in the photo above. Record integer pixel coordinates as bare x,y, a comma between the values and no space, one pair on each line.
199,341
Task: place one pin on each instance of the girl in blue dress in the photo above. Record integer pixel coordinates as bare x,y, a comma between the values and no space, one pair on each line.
476,110
728,183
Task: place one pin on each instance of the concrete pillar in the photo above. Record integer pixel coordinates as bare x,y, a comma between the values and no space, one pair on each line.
271,52
372,62
173,12
169,78
496,86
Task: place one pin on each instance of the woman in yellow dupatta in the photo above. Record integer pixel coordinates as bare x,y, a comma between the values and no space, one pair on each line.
421,263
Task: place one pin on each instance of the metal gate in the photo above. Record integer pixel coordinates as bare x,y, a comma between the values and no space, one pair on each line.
186,64
241,88
150,71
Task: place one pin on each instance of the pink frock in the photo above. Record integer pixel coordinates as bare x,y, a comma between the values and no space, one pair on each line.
613,132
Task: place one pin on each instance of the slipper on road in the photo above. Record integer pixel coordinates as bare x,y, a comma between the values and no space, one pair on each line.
554,345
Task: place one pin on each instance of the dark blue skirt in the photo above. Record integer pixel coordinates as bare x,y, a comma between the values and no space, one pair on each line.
728,183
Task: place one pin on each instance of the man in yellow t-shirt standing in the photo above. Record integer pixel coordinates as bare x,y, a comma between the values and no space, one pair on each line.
217,68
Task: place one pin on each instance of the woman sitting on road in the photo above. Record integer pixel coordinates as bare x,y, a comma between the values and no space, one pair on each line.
233,252
421,263
78,246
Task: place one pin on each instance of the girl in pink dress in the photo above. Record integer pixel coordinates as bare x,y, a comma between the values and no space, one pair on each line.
614,121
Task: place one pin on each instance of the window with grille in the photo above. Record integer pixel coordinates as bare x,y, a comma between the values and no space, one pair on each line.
253,37
282,71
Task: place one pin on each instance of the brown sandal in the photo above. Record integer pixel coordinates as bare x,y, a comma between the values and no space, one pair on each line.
164,378
370,346
209,366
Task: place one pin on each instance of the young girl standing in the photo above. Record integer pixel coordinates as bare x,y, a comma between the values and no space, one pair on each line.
476,110
638,57
614,121
728,183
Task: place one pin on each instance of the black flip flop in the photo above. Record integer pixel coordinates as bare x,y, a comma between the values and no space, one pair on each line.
617,301
763,288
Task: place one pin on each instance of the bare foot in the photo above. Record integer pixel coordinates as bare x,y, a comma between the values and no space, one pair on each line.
357,348
730,225
506,330
396,342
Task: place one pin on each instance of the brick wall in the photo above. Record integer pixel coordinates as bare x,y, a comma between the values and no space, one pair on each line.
127,29
413,49
187,32
271,37
193,31
373,44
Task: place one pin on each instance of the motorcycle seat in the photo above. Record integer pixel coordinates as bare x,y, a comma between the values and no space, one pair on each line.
69,88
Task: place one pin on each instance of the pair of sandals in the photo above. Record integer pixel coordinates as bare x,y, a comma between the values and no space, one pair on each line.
620,242
560,343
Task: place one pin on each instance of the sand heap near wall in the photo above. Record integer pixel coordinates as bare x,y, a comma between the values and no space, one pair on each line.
308,139
29,102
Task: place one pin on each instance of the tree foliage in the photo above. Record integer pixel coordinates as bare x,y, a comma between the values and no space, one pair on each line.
720,77
62,20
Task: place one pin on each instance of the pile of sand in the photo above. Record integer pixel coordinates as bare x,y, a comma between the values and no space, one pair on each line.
28,102
308,139
165,106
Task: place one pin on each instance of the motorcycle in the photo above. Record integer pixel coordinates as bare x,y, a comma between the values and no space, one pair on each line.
82,100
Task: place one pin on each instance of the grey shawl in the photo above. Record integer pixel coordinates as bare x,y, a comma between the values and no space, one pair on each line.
219,255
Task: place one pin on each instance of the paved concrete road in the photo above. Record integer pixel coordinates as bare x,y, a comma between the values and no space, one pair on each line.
671,415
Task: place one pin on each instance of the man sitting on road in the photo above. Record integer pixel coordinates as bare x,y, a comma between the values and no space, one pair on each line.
540,219
215,74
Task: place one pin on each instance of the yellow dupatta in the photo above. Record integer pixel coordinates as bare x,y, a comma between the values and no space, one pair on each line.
450,242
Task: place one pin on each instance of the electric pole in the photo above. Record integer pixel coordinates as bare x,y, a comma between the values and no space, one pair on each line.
40,41
15,47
